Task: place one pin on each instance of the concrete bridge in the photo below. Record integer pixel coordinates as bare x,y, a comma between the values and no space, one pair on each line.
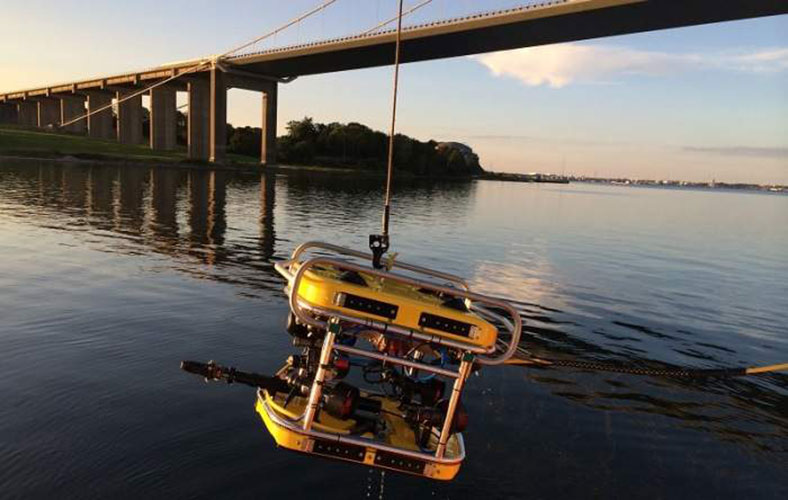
206,81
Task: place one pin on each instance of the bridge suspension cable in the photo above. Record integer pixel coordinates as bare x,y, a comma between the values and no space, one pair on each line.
278,30
202,63
395,18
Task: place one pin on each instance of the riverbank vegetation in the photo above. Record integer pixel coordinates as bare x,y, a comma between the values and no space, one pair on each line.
354,145
306,143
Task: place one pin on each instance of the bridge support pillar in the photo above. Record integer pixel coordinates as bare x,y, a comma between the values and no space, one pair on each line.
48,112
129,117
9,113
99,124
218,116
268,150
72,107
28,113
199,135
163,119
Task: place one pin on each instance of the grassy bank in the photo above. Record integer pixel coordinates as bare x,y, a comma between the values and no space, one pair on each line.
24,142
20,142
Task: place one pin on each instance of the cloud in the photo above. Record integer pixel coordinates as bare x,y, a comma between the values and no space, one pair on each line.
563,64
747,151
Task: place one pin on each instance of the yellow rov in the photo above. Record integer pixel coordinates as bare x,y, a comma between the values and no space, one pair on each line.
406,320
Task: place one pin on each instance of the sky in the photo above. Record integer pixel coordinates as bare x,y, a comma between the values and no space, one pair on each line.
701,103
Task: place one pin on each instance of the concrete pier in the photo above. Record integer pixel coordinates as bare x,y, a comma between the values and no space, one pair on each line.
218,116
9,113
28,113
268,150
163,119
129,117
198,134
100,124
48,112
72,107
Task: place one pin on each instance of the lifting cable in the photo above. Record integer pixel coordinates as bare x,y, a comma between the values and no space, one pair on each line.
390,162
203,63
379,243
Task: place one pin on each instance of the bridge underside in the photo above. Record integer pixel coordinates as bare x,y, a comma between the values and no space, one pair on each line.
637,17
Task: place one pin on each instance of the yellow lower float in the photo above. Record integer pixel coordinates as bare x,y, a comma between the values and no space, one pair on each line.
330,437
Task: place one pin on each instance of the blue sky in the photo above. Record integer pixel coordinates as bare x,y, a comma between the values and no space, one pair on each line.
694,103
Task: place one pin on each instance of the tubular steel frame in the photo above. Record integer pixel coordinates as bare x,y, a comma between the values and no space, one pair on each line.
309,315
328,319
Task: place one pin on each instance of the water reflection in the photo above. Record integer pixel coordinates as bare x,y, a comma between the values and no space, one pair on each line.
74,188
164,184
207,198
129,210
267,206
136,210
101,195
183,213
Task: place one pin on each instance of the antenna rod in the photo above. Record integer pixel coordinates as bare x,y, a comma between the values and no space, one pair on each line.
390,169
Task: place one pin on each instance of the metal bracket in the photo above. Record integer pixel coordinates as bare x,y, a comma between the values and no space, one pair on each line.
379,244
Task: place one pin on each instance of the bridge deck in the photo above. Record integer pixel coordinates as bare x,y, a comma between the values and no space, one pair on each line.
550,22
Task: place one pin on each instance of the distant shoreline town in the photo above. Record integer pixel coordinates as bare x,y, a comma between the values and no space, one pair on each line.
775,188
566,179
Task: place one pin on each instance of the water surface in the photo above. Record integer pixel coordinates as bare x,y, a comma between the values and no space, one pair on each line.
109,276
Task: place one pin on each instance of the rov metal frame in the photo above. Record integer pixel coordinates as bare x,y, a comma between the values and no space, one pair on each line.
328,319
483,305
304,424
460,376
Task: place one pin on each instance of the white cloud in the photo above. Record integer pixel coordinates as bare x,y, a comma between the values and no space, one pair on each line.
560,65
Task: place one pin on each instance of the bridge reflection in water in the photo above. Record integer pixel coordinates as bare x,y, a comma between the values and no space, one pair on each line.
180,213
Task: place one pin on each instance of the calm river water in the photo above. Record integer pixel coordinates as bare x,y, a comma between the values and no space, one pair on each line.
110,276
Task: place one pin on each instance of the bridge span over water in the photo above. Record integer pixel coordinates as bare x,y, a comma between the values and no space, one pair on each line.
206,81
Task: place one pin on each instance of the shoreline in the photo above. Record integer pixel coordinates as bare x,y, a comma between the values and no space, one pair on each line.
233,166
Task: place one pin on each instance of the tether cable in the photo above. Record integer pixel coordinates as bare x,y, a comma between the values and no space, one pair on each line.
688,373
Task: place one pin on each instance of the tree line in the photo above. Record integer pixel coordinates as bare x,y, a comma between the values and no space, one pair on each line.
355,145
347,145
